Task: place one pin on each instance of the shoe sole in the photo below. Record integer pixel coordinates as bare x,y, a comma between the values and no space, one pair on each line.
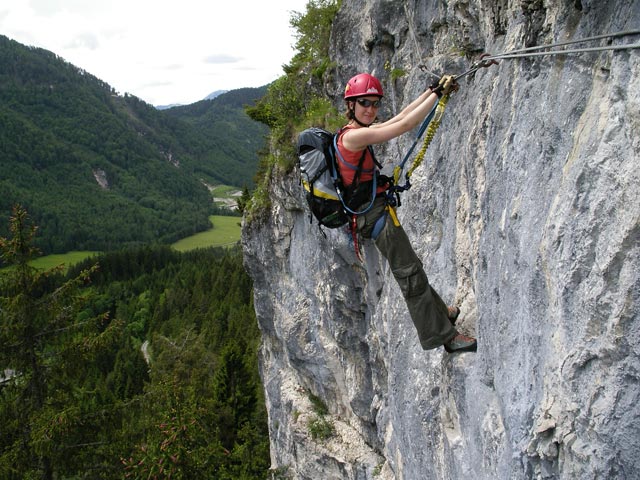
468,348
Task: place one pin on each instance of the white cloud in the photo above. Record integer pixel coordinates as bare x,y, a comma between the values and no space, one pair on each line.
219,58
84,40
161,51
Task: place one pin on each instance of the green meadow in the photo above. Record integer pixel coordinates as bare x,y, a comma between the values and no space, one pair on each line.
225,231
51,261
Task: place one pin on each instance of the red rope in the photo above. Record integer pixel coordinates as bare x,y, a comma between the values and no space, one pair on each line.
354,234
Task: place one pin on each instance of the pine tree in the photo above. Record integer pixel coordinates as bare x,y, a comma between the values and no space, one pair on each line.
234,393
49,399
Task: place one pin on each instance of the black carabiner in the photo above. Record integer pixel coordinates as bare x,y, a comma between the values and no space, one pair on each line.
482,63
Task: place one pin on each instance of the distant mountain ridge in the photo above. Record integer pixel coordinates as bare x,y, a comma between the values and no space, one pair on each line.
211,96
97,170
215,94
165,107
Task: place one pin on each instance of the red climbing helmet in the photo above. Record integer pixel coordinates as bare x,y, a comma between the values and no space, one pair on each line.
362,85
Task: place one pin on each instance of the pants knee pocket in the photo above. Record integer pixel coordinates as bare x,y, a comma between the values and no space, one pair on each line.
411,279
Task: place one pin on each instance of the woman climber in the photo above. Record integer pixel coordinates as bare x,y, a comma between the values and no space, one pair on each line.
432,318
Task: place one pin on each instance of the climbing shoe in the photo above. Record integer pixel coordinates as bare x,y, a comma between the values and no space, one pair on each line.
452,314
461,343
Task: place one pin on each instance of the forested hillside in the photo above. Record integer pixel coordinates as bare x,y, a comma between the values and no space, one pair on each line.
98,170
222,134
137,364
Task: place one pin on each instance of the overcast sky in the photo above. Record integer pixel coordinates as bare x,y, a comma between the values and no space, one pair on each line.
163,51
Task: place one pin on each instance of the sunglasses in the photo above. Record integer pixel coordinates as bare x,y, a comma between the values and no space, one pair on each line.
368,103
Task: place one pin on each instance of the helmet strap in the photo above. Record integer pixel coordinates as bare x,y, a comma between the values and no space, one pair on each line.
359,122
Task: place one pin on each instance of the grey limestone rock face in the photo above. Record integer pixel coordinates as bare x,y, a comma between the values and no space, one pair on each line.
526,213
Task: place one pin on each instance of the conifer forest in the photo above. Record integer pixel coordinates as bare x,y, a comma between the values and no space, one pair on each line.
78,396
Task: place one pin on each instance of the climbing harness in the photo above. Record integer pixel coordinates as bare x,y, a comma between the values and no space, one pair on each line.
353,214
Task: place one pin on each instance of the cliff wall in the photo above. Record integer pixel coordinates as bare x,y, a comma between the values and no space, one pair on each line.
526,214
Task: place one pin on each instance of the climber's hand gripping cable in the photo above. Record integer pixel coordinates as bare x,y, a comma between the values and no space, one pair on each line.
445,86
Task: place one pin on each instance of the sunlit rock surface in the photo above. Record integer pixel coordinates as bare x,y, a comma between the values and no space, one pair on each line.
526,215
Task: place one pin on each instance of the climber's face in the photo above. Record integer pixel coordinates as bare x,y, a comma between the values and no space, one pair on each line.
366,109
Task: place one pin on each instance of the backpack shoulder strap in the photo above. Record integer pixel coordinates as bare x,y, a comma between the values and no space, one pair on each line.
350,188
358,168
373,155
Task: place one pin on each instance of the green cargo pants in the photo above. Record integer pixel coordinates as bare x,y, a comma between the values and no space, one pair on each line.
428,311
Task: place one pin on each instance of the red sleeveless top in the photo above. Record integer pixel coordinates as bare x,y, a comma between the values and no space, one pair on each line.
348,163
